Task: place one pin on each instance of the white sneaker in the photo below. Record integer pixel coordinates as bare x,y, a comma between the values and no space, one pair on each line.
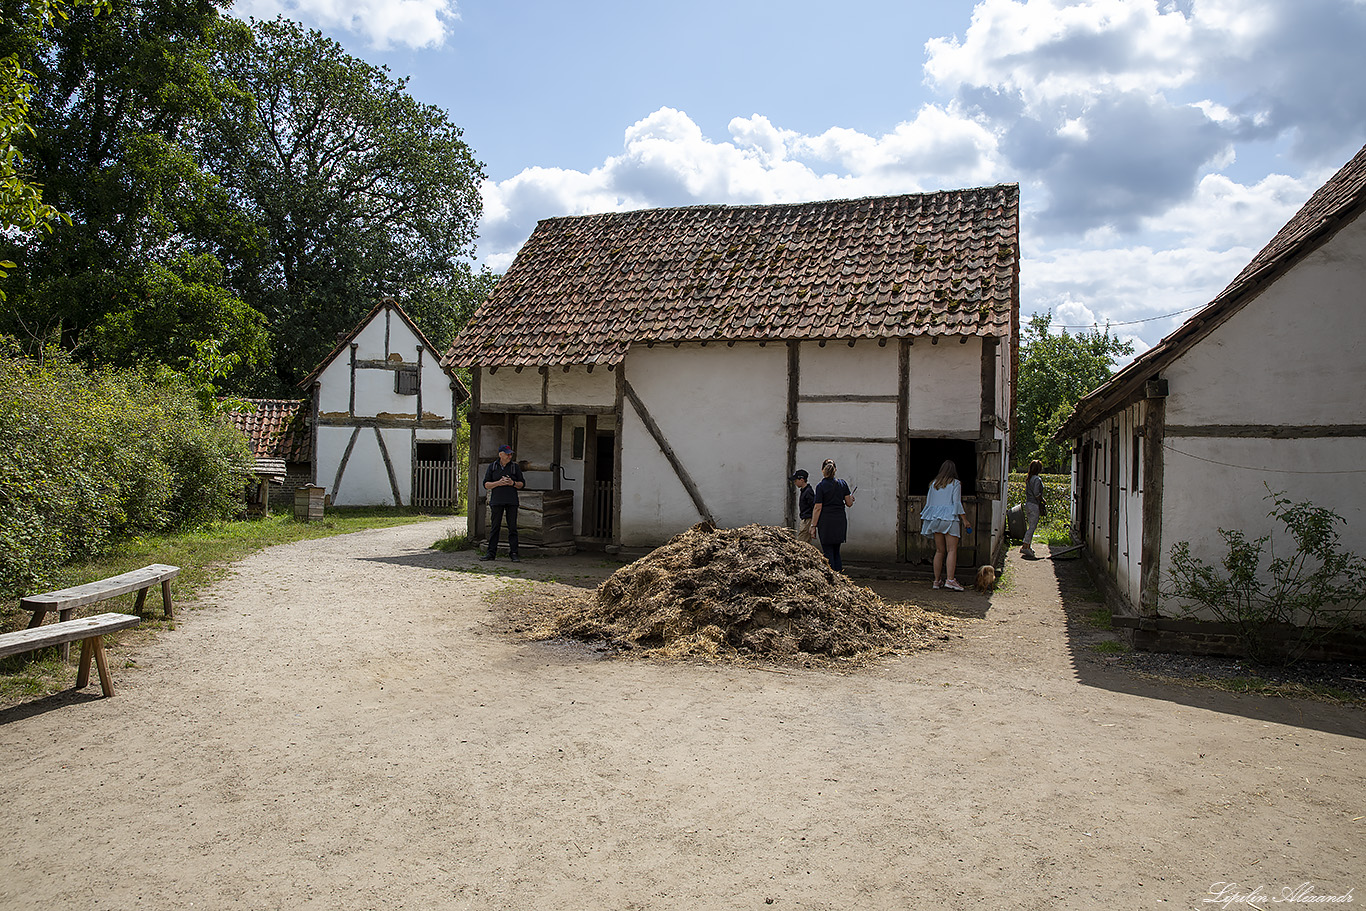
953,586
938,584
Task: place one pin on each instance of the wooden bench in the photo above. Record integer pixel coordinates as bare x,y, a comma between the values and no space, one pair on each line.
66,600
87,629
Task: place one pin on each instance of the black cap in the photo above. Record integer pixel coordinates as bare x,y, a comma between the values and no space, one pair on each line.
799,473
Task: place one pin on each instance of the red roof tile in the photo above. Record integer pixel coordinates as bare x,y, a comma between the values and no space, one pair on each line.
276,428
582,290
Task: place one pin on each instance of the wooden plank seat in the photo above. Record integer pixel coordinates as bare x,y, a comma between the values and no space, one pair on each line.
88,630
66,600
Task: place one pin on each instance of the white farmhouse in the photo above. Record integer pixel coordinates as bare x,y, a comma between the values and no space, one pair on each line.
1263,387
385,417
657,368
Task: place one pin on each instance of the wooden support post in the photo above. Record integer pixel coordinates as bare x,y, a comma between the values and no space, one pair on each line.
793,389
662,442
1150,569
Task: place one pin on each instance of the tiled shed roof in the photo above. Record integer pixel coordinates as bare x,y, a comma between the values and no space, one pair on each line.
583,289
276,428
1338,202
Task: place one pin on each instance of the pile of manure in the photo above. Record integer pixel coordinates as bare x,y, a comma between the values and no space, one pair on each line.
754,591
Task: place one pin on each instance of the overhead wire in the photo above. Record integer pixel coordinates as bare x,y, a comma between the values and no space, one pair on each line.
1261,467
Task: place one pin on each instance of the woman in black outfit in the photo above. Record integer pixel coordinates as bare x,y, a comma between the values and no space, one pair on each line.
828,518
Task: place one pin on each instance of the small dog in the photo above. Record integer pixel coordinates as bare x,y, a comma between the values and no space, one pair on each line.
986,578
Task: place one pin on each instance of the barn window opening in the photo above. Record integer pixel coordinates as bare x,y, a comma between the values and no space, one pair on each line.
405,380
433,452
926,455
576,448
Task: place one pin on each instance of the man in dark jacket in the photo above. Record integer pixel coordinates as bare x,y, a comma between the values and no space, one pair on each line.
502,480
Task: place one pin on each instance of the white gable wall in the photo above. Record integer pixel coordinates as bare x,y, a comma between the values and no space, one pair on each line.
1295,355
382,345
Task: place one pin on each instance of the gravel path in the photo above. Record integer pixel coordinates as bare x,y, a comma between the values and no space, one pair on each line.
341,724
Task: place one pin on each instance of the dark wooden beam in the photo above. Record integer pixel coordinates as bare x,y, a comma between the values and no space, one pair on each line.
663,443
1267,431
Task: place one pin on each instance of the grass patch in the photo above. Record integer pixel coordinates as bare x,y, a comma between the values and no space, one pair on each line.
1110,647
454,543
203,556
1101,618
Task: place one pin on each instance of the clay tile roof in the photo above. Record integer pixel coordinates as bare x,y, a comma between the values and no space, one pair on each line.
1337,203
276,428
583,289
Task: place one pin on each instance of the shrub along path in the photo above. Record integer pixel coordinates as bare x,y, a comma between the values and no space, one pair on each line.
348,723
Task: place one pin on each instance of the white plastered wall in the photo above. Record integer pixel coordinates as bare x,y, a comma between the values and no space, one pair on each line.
1295,355
867,369
365,481
722,412
945,388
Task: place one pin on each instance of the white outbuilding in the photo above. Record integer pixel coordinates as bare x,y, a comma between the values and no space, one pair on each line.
385,417
658,368
1261,389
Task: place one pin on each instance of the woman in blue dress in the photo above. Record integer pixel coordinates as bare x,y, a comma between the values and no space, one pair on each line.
827,516
942,518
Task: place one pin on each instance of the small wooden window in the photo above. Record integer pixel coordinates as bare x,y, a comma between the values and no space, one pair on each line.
406,381
576,452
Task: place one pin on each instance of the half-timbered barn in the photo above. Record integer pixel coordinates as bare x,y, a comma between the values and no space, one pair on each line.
1260,389
657,368
385,417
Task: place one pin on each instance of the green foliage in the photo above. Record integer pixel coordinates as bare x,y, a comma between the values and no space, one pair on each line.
1055,372
1054,528
363,192
1282,605
85,457
246,187
117,100
180,314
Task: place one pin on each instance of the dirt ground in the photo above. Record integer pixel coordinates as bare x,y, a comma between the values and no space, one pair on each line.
345,724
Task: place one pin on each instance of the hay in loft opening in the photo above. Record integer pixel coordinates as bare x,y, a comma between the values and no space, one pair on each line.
752,591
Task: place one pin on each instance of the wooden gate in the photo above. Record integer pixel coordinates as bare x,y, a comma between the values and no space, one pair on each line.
436,485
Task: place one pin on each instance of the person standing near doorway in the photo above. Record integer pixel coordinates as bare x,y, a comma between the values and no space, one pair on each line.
502,480
942,518
828,520
806,502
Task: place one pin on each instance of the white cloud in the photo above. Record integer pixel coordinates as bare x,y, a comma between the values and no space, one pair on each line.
383,23
1124,122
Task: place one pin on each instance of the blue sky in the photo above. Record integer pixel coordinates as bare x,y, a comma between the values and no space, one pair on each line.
1158,144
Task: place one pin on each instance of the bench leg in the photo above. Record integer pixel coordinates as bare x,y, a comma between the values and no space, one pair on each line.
94,646
166,599
83,675
65,615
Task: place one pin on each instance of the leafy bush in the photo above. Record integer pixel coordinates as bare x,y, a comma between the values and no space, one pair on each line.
85,457
1281,610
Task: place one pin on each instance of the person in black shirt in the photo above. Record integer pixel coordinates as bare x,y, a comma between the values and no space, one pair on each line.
502,480
833,496
806,501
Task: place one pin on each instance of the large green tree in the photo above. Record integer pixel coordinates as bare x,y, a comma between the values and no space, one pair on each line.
363,192
118,98
1055,372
